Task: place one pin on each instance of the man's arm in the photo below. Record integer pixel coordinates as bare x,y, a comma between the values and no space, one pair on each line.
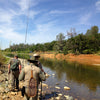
19,66
42,76
22,75
40,66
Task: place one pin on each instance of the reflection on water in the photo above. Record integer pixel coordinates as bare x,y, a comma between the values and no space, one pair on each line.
87,76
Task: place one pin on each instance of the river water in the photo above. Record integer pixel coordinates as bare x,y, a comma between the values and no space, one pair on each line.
83,81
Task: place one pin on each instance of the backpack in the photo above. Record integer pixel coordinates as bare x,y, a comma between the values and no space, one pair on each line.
15,65
32,86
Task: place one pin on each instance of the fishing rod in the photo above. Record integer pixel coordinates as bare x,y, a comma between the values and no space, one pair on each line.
26,31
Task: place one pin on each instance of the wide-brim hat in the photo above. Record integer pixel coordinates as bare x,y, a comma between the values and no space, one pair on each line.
36,55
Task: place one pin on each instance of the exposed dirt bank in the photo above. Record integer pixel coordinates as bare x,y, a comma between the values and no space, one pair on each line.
88,59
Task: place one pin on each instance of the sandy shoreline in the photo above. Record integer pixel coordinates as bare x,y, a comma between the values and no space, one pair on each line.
87,59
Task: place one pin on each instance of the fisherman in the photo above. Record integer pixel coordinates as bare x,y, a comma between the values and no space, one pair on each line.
36,58
25,75
14,69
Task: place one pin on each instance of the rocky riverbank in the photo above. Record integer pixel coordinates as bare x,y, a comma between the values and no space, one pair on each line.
49,92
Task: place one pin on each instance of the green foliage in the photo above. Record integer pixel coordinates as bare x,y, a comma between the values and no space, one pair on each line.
65,50
84,44
87,51
24,56
10,55
93,31
60,42
26,48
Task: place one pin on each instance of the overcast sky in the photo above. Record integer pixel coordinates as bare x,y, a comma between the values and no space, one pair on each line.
47,18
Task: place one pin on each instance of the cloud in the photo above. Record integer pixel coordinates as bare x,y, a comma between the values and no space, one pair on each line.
84,19
60,12
13,24
23,4
43,33
6,16
10,34
11,20
97,4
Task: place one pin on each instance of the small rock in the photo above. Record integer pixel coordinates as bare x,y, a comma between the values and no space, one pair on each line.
68,97
53,74
1,71
76,99
57,87
7,90
58,98
14,93
5,97
57,83
66,88
44,85
47,75
66,81
2,89
39,90
6,79
59,94
52,98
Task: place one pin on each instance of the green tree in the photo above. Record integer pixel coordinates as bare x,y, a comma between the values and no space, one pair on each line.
60,42
93,31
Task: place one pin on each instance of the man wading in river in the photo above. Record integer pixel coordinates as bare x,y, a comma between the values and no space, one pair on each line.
36,58
14,68
36,61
